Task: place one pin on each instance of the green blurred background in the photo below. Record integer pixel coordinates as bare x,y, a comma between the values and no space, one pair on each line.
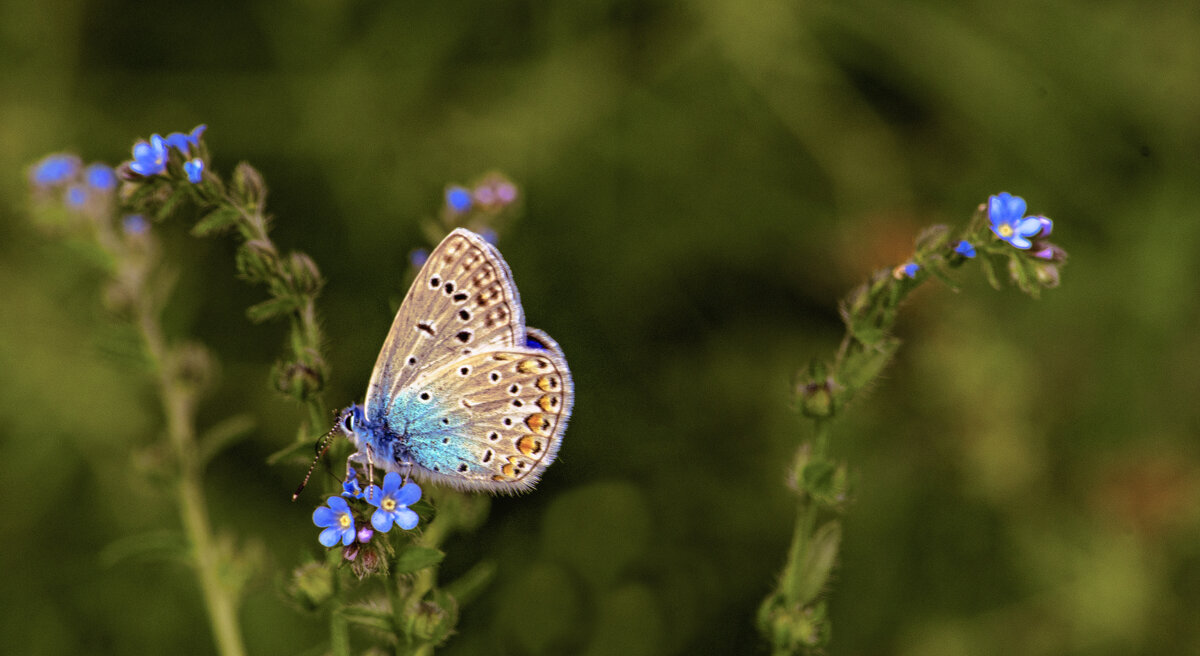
702,181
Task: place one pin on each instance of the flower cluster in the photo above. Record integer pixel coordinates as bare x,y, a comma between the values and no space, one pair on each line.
491,194
1002,232
343,524
63,177
153,157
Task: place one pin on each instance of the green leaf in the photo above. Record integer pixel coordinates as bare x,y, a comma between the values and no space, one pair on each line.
368,616
216,222
862,365
168,206
272,308
414,558
819,560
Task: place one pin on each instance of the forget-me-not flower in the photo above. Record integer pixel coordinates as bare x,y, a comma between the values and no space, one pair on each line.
149,157
55,169
351,487
194,169
338,522
964,248
1007,215
100,177
393,502
458,199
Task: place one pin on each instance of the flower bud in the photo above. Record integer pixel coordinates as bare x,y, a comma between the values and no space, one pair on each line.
305,274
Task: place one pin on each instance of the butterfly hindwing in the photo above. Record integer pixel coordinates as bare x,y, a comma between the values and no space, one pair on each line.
491,420
462,301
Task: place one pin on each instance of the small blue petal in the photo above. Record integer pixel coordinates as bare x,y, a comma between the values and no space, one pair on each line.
338,504
418,257
323,516
382,520
458,199
965,249
194,169
101,177
348,536
408,495
330,536
911,269
1028,227
374,495
178,141
197,132
391,483
1020,242
407,519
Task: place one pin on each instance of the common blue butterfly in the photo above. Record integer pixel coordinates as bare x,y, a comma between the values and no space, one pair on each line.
463,392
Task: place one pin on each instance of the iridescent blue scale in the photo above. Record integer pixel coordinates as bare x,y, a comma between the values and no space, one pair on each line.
463,393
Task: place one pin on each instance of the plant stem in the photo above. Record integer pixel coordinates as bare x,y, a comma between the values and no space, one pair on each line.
178,408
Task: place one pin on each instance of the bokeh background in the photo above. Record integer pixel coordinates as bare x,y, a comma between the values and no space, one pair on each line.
702,181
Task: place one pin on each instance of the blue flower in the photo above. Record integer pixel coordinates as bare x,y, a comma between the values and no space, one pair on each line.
185,142
135,224
417,257
393,502
337,520
458,198
910,269
351,487
194,169
76,196
55,169
149,158
965,249
101,177
1007,215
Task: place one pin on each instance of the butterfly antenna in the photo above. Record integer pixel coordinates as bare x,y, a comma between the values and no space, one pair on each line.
323,445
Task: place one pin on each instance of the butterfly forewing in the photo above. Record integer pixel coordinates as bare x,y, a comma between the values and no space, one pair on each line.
496,418
463,301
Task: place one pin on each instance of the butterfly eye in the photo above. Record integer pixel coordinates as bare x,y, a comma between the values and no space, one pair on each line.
348,422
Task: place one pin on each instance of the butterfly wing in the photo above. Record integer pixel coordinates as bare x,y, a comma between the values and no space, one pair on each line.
463,301
492,420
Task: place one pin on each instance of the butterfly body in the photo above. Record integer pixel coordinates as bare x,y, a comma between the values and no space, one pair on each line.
463,393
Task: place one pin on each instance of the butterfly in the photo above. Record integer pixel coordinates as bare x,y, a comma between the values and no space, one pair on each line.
463,392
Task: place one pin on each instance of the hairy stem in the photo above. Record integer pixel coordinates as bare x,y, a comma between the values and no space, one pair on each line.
179,410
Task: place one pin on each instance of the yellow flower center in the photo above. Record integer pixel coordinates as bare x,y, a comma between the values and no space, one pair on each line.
344,520
389,504
1005,230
